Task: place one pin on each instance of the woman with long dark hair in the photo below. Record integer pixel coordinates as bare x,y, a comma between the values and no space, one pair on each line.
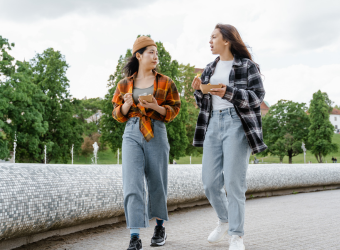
228,128
145,149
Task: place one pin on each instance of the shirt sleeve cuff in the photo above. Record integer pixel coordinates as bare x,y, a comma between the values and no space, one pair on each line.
229,93
198,93
117,114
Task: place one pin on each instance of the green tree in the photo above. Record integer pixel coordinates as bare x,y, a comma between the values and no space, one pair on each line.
92,104
328,101
186,76
177,134
321,129
49,69
85,108
285,127
21,108
6,70
112,130
81,113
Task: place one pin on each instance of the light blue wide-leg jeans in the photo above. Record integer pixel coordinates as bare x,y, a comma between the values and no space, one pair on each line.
145,162
225,161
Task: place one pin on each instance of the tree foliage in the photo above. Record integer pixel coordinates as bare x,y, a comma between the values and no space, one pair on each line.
186,76
321,129
285,127
49,69
21,108
112,130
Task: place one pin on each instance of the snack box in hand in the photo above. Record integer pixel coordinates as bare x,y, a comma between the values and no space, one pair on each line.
205,88
147,98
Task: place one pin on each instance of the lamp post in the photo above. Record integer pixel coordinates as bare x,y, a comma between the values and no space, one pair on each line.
304,152
14,146
118,156
72,153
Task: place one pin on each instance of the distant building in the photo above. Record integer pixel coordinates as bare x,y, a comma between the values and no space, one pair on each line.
198,70
95,117
264,108
334,118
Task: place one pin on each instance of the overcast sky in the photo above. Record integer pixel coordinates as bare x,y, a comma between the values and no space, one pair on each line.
295,42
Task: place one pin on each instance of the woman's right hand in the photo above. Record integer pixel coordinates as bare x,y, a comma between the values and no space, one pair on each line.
128,99
196,83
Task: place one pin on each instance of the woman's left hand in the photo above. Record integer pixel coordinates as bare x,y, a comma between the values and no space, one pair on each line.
150,105
219,91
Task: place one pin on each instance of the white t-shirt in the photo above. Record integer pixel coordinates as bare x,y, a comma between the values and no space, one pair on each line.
221,75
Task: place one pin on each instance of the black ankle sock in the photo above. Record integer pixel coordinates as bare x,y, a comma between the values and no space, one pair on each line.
159,222
134,235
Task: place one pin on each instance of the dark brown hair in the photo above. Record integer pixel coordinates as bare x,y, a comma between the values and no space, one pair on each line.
237,46
132,64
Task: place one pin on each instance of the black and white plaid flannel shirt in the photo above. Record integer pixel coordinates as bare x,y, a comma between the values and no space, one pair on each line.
245,91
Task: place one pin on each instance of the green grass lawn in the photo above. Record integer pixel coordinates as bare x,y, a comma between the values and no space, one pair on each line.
108,157
104,157
299,158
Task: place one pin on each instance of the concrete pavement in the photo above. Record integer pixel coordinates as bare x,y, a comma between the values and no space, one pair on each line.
301,221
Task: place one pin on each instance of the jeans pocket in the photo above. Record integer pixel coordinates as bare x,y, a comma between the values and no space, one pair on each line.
235,116
159,124
128,125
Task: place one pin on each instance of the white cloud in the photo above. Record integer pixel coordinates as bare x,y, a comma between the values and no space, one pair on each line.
35,10
284,35
299,82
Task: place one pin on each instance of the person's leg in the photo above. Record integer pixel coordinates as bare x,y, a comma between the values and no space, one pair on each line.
236,152
212,167
212,177
156,173
133,165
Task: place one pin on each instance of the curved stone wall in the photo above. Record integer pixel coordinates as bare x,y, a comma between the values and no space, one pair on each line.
36,198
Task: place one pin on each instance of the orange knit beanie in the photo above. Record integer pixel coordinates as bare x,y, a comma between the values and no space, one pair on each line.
142,42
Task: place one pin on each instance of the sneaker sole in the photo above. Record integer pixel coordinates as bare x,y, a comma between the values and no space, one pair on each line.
220,239
160,243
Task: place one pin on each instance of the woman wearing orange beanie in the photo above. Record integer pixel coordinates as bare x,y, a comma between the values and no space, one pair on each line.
145,149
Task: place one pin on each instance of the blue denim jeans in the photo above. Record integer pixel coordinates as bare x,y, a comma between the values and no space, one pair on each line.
145,174
225,161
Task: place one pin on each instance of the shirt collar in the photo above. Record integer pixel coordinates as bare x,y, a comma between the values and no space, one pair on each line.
237,62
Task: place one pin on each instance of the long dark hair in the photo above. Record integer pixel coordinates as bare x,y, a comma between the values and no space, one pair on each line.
237,46
132,64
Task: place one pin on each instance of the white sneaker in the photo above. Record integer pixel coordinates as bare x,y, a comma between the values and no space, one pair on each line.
219,232
236,243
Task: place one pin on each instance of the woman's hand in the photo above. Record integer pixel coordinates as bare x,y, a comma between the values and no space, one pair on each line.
128,99
153,105
150,105
219,91
196,83
127,103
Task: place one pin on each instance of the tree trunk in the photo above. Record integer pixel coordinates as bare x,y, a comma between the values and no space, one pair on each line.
320,156
290,155
317,158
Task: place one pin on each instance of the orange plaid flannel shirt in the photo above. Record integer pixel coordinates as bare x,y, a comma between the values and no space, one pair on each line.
166,94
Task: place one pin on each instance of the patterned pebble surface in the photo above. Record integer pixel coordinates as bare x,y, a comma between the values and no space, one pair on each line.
36,198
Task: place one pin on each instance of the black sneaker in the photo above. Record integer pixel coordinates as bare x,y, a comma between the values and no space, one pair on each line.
135,244
159,237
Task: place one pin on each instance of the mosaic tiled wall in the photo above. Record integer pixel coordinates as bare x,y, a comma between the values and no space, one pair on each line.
36,198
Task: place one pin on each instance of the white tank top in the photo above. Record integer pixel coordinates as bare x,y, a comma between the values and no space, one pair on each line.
221,75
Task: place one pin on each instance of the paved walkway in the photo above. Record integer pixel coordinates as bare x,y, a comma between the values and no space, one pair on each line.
302,221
